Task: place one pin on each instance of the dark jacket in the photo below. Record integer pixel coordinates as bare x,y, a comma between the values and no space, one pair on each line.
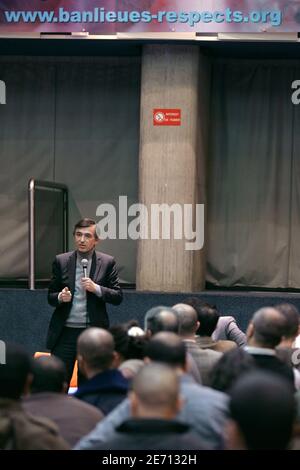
273,364
103,272
73,417
105,390
21,431
156,434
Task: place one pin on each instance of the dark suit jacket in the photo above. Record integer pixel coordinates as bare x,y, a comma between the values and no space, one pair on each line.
103,272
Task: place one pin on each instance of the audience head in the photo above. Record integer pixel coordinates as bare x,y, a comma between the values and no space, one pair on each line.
161,319
16,373
291,316
266,328
207,314
155,392
95,351
168,348
188,321
49,375
229,368
130,341
262,408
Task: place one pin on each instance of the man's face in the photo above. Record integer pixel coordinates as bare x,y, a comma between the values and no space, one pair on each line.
85,238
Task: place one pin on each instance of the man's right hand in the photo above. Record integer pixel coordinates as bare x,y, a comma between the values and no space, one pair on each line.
65,295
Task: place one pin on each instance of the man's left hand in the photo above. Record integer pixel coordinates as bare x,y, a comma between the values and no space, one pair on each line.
88,284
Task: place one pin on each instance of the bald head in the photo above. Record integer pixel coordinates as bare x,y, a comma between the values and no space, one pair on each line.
96,347
156,391
167,348
161,319
267,327
188,320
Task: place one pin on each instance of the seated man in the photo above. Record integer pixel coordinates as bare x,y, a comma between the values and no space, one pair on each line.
19,430
205,359
154,403
263,413
48,398
264,333
204,409
105,386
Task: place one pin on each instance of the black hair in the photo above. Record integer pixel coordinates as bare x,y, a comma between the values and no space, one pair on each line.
166,347
291,315
83,223
263,406
230,367
129,347
207,314
13,374
49,375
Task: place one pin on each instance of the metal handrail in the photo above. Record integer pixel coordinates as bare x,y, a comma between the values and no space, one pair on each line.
32,186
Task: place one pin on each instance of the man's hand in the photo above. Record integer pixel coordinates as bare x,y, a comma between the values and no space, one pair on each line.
65,295
88,284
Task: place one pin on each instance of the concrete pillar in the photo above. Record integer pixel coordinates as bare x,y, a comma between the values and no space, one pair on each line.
172,161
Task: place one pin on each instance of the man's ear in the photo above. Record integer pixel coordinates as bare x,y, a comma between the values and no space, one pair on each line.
233,436
133,403
147,360
81,364
65,387
117,360
179,403
250,330
27,385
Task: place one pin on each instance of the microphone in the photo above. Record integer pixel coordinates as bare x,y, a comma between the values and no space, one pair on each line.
84,264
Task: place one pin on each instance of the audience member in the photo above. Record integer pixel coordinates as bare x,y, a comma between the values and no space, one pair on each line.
208,318
18,429
227,329
154,403
285,349
162,318
264,333
204,409
130,341
105,386
48,398
205,359
232,365
263,411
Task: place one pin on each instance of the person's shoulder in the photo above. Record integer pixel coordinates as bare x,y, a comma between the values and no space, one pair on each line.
64,256
105,257
88,410
225,320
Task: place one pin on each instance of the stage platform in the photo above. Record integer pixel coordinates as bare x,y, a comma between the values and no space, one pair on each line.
25,314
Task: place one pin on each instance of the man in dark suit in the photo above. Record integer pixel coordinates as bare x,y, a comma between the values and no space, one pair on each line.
79,297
